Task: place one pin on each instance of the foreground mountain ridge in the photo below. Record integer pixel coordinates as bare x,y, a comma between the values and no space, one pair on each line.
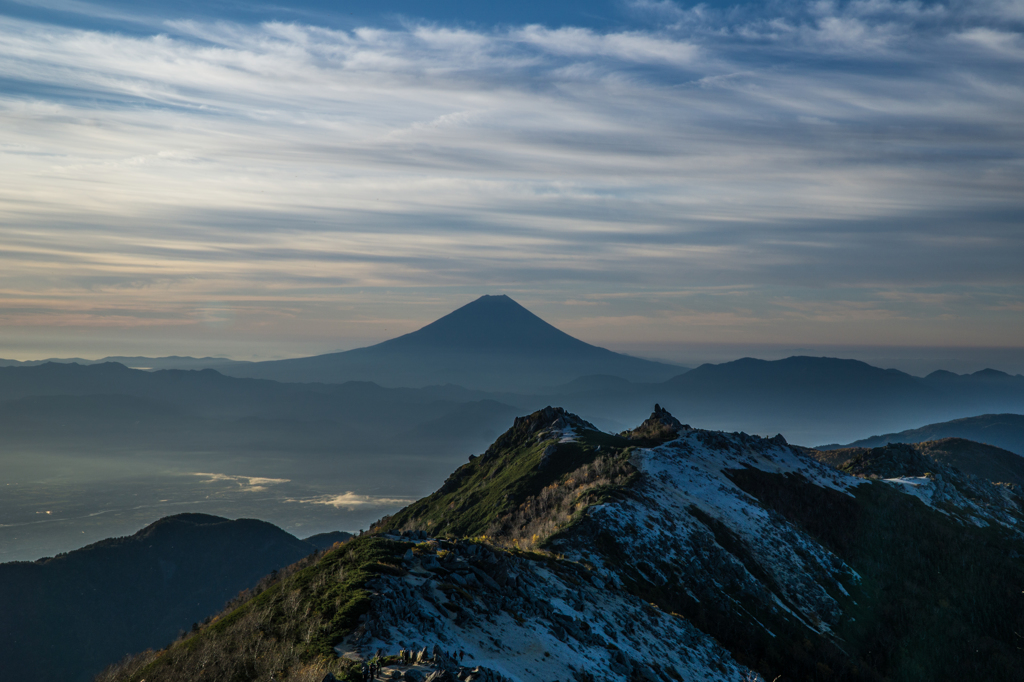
661,553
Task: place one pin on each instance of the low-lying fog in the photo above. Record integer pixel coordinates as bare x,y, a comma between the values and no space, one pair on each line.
52,502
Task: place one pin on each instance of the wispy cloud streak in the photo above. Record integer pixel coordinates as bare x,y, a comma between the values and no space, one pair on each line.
866,145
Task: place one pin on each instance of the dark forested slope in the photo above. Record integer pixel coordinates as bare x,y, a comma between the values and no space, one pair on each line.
66,617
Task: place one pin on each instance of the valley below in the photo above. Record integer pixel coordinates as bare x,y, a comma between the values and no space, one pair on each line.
57,502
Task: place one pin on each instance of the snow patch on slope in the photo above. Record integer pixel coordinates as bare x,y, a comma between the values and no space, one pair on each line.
665,539
531,622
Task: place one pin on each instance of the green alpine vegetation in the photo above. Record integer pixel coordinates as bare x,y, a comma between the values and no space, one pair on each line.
282,629
526,486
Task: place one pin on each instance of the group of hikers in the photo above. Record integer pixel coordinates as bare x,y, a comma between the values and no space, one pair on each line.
370,670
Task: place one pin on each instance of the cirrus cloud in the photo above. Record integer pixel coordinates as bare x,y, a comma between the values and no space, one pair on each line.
282,174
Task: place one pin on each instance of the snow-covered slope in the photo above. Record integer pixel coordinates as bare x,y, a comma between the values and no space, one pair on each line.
750,540
527,619
664,530
942,487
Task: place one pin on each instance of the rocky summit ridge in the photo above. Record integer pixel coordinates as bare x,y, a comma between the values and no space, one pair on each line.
663,553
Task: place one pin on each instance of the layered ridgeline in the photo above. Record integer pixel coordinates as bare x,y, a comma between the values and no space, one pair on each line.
810,399
67,617
480,365
493,344
661,553
966,456
135,362
1000,430
116,408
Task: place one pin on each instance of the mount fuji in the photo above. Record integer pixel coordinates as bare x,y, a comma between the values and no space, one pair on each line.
492,343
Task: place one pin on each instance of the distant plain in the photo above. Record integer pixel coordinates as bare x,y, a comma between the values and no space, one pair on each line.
58,502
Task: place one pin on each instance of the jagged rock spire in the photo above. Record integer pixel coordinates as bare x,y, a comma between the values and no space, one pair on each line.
661,425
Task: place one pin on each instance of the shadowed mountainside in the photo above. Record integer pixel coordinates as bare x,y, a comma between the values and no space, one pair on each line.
1001,430
975,459
66,617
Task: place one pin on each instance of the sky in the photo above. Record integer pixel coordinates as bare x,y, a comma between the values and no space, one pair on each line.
256,181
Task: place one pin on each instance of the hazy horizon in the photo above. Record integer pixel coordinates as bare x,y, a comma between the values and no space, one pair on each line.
915,360
918,360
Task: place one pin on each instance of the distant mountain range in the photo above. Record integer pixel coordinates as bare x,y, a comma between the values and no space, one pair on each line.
810,400
492,357
114,408
804,398
491,344
135,362
975,459
662,553
65,618
1001,430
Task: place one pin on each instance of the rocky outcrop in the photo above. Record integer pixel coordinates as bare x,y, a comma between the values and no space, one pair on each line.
660,426
541,425
941,486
